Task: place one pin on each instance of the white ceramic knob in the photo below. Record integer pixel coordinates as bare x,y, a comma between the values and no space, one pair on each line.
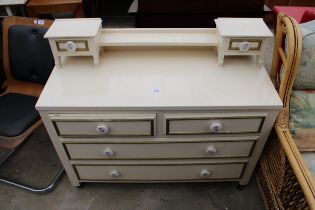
216,127
114,174
244,46
211,150
205,173
70,46
108,152
102,129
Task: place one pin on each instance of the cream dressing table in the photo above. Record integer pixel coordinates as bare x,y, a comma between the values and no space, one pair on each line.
158,108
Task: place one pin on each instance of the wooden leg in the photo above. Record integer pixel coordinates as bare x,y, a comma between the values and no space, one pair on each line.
260,60
58,61
220,57
79,13
8,11
240,186
96,59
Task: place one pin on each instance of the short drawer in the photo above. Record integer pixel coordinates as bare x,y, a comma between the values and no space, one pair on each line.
160,150
244,45
102,125
194,124
72,45
159,172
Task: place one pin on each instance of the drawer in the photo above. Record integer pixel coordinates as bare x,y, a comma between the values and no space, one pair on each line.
160,150
102,125
159,172
244,45
194,124
72,45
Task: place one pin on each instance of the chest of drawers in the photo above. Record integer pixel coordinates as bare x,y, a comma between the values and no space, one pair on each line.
158,113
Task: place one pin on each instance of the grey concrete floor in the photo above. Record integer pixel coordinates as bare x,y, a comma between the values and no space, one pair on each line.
36,162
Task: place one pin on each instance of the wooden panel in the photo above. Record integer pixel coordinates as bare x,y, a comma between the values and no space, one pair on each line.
201,124
160,172
160,150
255,44
81,45
104,125
167,79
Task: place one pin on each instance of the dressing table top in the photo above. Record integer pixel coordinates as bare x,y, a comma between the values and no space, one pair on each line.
160,78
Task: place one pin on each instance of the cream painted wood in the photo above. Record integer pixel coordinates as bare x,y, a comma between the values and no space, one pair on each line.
159,37
12,2
175,139
74,27
9,3
104,124
242,27
159,150
73,178
242,36
160,172
85,116
211,161
129,128
268,124
171,79
254,44
159,77
66,38
190,124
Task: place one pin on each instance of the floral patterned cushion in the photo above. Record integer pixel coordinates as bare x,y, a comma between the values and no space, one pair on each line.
309,158
302,118
302,124
306,75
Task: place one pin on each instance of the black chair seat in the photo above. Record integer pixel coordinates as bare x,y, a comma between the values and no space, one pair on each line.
17,113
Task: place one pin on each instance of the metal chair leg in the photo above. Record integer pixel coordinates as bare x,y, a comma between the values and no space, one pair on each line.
48,188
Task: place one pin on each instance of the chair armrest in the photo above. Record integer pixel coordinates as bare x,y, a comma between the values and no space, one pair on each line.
303,175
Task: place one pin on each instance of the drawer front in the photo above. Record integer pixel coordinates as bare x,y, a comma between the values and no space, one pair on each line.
208,124
160,172
161,150
85,125
244,45
72,45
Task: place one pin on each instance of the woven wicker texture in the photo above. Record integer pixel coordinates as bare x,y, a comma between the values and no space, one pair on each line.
283,176
277,179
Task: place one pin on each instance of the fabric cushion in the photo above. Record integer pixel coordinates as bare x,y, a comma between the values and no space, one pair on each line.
30,56
306,76
302,118
309,158
17,113
295,12
308,16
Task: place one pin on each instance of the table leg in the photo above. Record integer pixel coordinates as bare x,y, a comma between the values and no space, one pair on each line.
8,10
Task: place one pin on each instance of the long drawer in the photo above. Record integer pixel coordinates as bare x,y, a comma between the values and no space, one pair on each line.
160,150
159,172
203,123
103,125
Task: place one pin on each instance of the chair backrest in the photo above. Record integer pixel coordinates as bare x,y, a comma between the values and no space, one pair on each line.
286,61
27,57
30,57
305,79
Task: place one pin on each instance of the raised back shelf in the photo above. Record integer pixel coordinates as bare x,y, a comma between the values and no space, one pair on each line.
158,37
